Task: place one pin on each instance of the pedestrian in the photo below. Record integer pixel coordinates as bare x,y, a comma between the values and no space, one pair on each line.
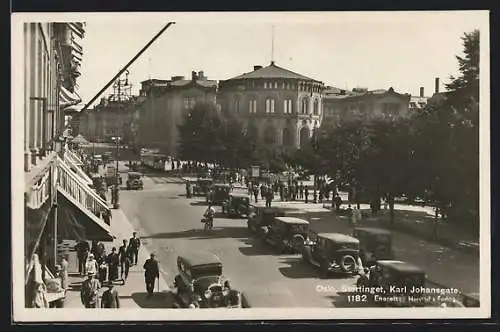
306,194
90,291
263,191
338,202
55,285
113,261
40,296
135,244
82,253
110,298
301,191
124,256
64,272
281,191
91,265
151,272
256,194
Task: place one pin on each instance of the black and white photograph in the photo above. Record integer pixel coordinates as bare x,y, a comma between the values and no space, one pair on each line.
279,165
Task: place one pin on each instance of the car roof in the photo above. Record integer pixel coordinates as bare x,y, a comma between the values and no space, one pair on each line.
200,258
292,220
400,266
374,230
239,195
338,237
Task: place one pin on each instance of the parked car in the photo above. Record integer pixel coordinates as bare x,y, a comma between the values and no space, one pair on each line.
261,217
218,193
287,234
332,253
396,280
375,244
237,205
202,186
200,284
134,181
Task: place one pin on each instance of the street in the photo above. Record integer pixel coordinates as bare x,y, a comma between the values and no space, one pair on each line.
169,225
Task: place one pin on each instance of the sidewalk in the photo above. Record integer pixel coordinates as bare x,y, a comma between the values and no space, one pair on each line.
133,293
443,266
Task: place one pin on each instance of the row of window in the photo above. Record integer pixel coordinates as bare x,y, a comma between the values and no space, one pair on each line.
270,106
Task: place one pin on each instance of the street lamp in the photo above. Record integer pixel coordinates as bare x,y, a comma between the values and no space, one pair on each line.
117,139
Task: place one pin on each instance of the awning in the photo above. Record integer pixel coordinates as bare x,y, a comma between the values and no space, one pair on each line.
75,224
68,98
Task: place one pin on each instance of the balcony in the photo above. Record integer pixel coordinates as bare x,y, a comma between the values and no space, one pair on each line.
75,164
78,191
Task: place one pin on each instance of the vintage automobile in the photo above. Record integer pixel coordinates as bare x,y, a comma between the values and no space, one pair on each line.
374,243
396,280
261,217
218,193
134,181
332,253
287,234
237,205
202,186
200,283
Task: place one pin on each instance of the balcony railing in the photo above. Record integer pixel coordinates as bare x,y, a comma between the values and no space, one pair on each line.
73,162
73,185
40,191
73,156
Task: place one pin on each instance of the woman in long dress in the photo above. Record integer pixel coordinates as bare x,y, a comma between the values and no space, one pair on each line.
64,272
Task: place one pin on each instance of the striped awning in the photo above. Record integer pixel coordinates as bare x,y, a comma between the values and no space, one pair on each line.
68,98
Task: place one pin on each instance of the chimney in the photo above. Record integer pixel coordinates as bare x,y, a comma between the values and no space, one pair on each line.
436,84
421,91
194,76
201,76
257,67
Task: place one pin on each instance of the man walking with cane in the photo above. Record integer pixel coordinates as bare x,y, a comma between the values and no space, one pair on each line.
151,272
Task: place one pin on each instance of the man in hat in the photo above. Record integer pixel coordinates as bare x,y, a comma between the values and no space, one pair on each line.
151,272
110,298
134,244
90,291
113,262
124,254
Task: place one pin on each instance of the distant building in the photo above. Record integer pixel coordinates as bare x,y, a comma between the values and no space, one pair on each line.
165,104
277,106
360,103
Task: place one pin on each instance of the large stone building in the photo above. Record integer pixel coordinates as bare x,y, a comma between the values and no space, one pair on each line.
343,105
276,105
165,104
58,202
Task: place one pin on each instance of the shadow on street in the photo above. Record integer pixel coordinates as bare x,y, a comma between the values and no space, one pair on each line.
297,269
158,300
199,203
201,234
257,247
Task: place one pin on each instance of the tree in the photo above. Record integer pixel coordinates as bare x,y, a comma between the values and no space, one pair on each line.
468,64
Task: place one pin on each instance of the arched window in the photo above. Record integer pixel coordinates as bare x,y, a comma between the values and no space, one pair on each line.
304,136
287,106
252,105
304,105
270,135
316,107
237,104
269,105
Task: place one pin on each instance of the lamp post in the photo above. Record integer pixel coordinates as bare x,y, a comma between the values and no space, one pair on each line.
115,194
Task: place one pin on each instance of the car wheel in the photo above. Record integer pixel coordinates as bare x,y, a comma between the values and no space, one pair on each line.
348,263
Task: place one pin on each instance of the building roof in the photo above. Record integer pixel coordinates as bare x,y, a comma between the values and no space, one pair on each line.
203,83
272,71
335,93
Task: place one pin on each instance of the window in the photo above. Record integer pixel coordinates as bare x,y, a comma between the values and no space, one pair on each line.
189,102
275,85
252,105
237,102
316,107
265,85
269,105
287,106
304,106
283,85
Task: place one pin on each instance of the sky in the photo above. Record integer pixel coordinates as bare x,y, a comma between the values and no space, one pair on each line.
403,50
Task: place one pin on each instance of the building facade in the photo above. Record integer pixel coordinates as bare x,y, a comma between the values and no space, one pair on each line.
276,106
59,203
164,106
343,105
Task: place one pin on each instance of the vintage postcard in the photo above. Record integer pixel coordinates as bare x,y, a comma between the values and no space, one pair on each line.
250,166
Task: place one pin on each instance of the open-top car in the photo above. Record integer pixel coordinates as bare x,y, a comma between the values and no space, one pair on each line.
202,186
374,243
397,281
237,204
134,181
332,253
200,283
218,193
261,217
287,234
